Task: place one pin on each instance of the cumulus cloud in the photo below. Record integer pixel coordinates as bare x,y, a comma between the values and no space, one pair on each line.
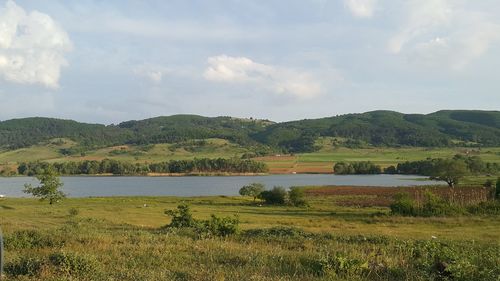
361,8
277,79
444,33
32,47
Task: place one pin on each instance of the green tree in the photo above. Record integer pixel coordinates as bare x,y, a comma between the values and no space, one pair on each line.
253,190
181,217
49,187
277,195
449,170
342,168
297,196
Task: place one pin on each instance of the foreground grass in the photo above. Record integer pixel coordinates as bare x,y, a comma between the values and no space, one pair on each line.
123,239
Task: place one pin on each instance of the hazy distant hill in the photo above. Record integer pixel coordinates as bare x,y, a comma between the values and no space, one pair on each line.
388,128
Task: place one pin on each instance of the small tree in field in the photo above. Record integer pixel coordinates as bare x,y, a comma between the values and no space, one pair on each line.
253,190
49,187
297,196
277,195
449,170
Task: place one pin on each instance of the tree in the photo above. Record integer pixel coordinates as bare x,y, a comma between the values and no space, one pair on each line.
253,190
296,196
49,187
342,168
276,195
449,170
181,217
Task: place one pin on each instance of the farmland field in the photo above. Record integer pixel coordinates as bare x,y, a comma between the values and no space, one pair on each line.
321,161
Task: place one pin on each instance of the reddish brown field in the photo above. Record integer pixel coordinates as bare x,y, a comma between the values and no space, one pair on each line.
383,196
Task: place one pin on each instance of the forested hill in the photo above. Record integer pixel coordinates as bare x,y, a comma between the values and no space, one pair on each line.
380,128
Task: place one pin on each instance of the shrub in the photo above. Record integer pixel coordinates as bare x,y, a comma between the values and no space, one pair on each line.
215,226
220,227
73,212
181,217
485,208
74,264
276,232
24,266
436,206
432,205
403,205
277,195
30,239
296,196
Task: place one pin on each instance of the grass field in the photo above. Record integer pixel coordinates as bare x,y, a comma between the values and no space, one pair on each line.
323,160
122,239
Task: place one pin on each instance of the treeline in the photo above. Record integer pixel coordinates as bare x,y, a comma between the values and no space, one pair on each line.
108,166
358,168
475,165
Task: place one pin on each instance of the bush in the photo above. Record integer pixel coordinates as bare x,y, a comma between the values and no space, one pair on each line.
181,217
73,212
485,208
436,206
215,226
277,195
24,266
432,206
276,232
31,239
74,264
296,196
403,205
220,227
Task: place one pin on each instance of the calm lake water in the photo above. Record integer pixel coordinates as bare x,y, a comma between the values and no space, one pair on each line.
198,186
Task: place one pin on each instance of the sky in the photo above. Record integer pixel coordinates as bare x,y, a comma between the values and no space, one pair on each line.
116,60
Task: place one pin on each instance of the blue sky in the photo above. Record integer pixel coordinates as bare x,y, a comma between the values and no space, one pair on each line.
110,61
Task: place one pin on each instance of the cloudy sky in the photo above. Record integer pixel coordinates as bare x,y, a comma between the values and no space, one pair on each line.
116,60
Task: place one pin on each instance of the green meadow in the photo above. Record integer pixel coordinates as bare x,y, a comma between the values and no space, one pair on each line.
124,238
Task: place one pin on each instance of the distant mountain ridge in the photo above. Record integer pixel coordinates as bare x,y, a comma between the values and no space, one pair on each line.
379,128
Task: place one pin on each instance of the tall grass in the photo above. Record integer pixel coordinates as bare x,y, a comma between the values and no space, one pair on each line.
92,253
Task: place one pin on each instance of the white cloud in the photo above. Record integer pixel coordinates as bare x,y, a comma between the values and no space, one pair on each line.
444,33
279,80
32,46
361,8
153,73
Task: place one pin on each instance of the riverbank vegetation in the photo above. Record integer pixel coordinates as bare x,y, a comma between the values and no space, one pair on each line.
114,167
126,238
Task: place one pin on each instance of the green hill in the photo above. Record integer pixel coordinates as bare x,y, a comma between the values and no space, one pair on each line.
388,128
376,128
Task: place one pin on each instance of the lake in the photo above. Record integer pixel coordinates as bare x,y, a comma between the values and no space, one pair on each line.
84,186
